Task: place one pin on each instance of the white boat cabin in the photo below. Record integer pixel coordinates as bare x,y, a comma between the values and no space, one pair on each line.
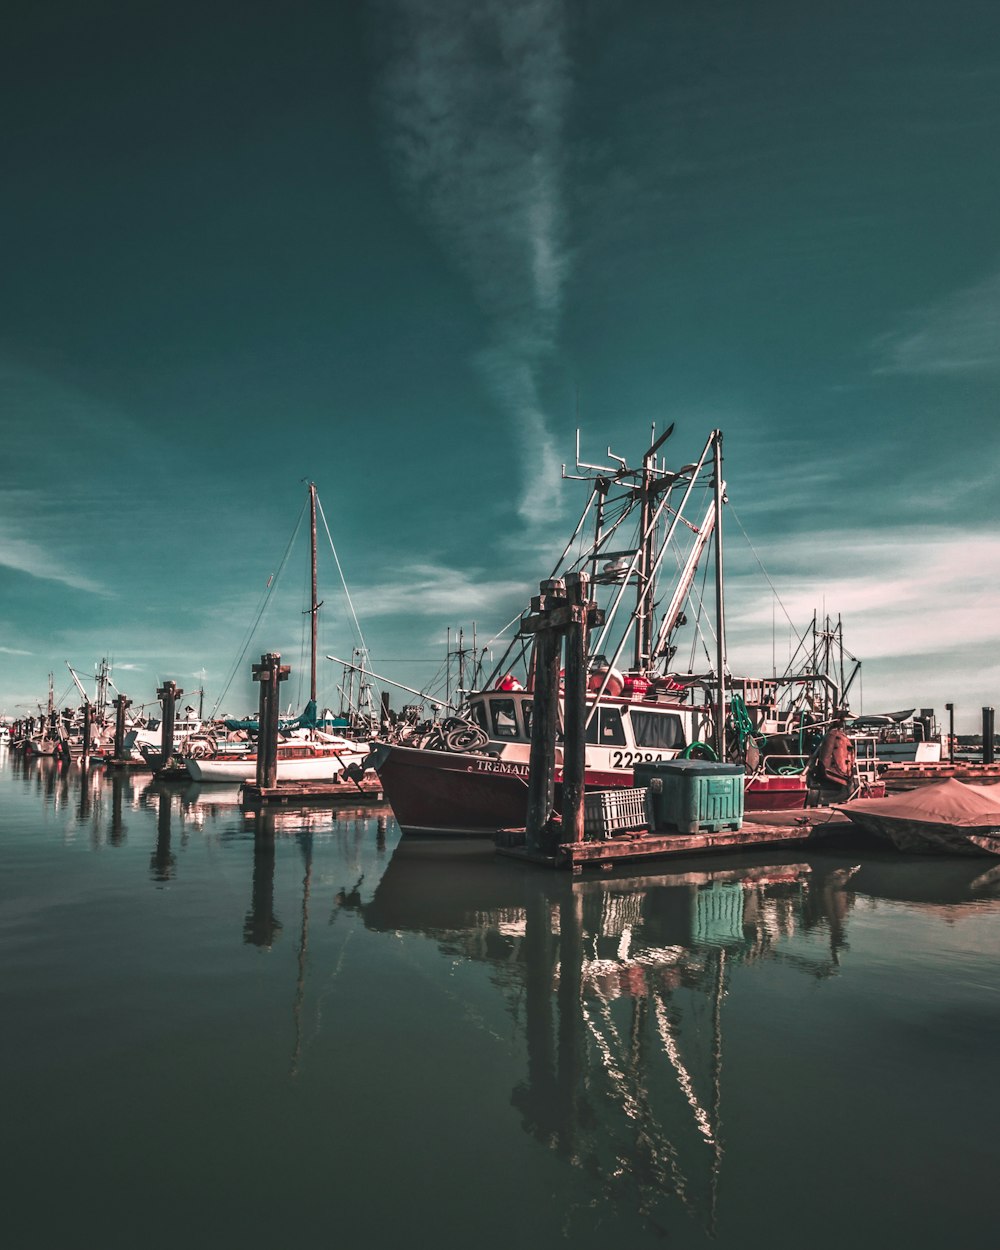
621,733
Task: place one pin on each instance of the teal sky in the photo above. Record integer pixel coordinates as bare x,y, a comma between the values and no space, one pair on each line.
404,248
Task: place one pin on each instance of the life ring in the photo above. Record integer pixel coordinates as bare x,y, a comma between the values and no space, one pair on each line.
616,682
704,750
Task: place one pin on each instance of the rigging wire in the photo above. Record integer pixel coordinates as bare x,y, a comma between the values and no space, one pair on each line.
343,580
265,598
774,590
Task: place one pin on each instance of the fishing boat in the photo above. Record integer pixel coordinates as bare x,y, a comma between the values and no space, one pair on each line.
468,774
946,818
904,737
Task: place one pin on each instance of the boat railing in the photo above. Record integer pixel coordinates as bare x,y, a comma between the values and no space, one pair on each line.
783,765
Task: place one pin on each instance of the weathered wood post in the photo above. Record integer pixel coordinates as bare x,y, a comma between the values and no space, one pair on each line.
950,709
88,728
168,694
120,703
988,748
269,672
575,706
544,713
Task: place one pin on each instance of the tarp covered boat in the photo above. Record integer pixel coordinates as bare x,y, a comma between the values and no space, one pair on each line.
949,818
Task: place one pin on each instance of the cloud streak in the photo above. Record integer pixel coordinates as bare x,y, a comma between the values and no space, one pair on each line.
919,607
435,590
26,555
960,335
474,99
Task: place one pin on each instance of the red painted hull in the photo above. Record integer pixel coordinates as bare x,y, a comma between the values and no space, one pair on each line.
466,795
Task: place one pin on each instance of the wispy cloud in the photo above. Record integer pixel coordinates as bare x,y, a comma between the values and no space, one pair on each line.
435,590
15,651
474,99
919,606
959,335
28,555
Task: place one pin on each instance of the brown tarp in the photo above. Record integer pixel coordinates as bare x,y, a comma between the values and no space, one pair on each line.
948,802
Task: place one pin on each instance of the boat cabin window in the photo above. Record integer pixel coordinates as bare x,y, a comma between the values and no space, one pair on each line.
660,730
606,729
526,707
479,716
504,717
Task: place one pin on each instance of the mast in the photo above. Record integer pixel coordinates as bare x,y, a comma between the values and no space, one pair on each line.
720,728
314,606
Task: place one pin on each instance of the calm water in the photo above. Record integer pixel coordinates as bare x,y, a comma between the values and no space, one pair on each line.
347,1039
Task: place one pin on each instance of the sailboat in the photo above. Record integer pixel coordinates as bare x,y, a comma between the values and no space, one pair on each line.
472,778
306,753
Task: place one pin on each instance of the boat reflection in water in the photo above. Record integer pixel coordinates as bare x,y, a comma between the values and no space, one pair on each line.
620,986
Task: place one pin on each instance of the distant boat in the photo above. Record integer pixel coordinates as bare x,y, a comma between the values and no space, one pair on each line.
903,737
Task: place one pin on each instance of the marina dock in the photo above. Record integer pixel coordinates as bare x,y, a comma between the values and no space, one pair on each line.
330,793
759,830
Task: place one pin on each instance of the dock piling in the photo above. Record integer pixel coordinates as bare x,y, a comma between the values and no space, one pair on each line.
168,694
544,715
989,752
575,706
270,672
120,704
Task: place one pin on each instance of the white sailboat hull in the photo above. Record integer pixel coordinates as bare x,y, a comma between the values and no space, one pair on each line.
314,768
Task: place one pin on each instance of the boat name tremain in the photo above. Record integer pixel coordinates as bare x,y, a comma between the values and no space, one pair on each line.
499,766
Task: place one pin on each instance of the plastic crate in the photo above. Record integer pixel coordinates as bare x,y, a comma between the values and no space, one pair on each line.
613,811
692,796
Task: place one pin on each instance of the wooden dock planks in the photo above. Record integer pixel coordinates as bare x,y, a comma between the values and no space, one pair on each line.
765,830
369,791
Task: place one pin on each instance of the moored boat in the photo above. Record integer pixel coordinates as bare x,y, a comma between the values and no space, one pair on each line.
947,818
298,760
468,774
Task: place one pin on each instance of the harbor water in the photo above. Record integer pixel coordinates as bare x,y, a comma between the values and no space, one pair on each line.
227,1029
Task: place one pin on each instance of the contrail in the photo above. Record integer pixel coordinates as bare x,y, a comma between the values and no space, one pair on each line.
474,98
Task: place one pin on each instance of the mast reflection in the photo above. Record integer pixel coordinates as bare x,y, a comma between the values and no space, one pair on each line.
619,985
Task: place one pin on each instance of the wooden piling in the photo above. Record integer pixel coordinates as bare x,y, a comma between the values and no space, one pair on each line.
544,713
988,732
575,707
270,672
120,704
168,694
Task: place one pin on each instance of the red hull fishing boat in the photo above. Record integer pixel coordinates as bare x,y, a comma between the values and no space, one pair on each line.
468,775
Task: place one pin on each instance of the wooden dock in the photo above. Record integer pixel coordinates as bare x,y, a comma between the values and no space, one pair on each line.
905,776
760,829
329,793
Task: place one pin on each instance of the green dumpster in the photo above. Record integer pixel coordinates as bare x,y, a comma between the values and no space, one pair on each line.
692,795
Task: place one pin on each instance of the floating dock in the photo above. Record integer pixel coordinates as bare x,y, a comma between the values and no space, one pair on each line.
760,829
326,792
905,776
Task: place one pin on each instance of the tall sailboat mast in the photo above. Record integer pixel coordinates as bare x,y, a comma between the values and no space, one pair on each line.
314,606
